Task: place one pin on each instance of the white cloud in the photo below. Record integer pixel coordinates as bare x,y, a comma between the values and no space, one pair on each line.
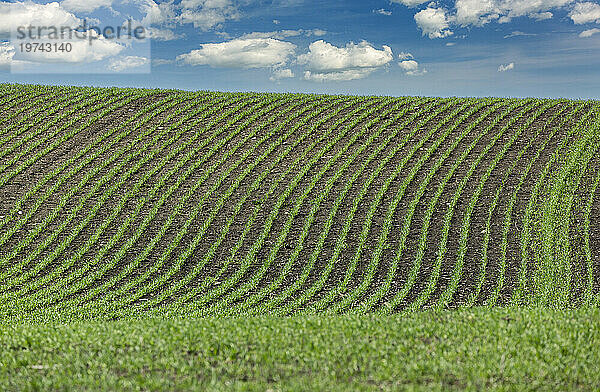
481,12
82,51
241,53
7,61
323,56
507,67
536,9
411,67
585,13
349,74
283,34
126,63
85,5
589,33
7,53
279,74
433,22
207,14
519,34
326,62
157,13
162,34
205,20
382,11
410,3
159,62
437,22
475,12
541,16
405,56
13,15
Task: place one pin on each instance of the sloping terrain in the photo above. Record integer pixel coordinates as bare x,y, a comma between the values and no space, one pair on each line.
120,202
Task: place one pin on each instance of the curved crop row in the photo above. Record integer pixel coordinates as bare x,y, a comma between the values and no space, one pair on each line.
55,290
245,264
508,173
117,203
308,268
15,102
150,112
447,295
127,272
316,204
528,217
181,259
208,281
426,222
471,108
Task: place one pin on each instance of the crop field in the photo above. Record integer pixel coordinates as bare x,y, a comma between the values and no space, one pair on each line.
151,239
121,202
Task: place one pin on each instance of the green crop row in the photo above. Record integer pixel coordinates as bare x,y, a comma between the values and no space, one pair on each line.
128,202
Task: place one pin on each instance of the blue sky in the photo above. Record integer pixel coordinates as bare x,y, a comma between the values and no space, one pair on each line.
542,48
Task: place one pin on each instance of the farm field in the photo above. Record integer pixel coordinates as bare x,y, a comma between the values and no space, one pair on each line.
118,202
127,210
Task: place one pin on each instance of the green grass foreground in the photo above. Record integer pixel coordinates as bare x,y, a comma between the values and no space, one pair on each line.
491,349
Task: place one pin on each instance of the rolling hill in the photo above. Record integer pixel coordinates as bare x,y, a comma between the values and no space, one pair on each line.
120,202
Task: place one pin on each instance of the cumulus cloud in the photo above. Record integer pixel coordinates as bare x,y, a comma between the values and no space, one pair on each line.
85,5
207,14
241,53
7,61
480,12
411,67
437,22
433,22
339,76
323,56
157,13
127,63
279,74
326,62
507,67
589,33
13,15
475,12
585,13
541,15
82,51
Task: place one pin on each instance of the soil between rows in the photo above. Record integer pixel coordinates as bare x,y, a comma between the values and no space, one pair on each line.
222,266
